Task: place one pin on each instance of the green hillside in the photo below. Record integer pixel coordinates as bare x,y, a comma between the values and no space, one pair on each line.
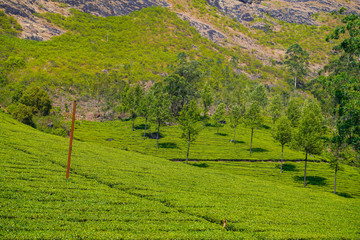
120,194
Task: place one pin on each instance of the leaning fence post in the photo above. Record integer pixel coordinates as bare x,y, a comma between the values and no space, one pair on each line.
71,140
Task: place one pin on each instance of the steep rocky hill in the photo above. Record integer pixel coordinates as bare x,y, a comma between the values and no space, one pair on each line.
245,11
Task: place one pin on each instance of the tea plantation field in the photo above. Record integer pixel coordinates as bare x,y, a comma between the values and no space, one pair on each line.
208,144
114,194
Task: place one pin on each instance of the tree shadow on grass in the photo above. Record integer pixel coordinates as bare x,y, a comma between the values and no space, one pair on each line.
345,195
142,127
221,134
168,145
266,126
153,135
312,180
236,141
202,165
258,150
287,167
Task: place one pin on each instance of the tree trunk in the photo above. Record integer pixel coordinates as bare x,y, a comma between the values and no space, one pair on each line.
218,130
133,124
336,168
157,136
145,128
187,155
204,119
295,82
234,134
252,131
282,154
305,169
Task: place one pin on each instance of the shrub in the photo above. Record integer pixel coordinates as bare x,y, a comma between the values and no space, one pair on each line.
38,99
22,113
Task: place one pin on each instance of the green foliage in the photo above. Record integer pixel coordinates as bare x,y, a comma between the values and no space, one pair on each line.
37,99
283,131
259,95
9,25
276,107
22,113
297,61
218,118
207,98
253,116
311,129
179,90
131,101
188,120
293,110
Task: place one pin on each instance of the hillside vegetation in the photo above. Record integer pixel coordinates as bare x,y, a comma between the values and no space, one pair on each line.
118,194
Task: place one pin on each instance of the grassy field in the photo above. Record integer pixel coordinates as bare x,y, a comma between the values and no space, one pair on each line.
114,193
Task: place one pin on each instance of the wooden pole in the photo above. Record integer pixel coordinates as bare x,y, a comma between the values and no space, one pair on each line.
71,140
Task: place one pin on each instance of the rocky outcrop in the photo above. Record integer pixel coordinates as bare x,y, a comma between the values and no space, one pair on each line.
204,29
292,11
39,29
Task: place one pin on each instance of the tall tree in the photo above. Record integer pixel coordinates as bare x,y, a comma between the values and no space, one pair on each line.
253,119
236,114
276,108
145,108
297,62
160,111
188,120
310,131
206,100
283,135
218,118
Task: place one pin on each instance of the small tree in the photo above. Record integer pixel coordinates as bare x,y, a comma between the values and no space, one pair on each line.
282,135
276,108
160,111
145,108
253,119
219,116
293,111
131,102
337,155
206,100
188,119
297,61
236,114
310,131
259,95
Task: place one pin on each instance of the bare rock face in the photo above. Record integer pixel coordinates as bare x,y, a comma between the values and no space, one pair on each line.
292,11
38,29
204,29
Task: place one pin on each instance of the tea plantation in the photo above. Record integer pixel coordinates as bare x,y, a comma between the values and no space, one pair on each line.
115,194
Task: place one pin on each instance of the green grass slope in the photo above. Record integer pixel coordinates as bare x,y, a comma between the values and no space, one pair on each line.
120,194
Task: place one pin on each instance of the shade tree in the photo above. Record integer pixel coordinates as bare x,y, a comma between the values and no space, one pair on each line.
297,61
218,119
207,98
253,119
188,120
310,131
236,114
283,134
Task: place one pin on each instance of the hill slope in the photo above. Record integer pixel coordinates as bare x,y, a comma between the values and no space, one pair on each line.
118,194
